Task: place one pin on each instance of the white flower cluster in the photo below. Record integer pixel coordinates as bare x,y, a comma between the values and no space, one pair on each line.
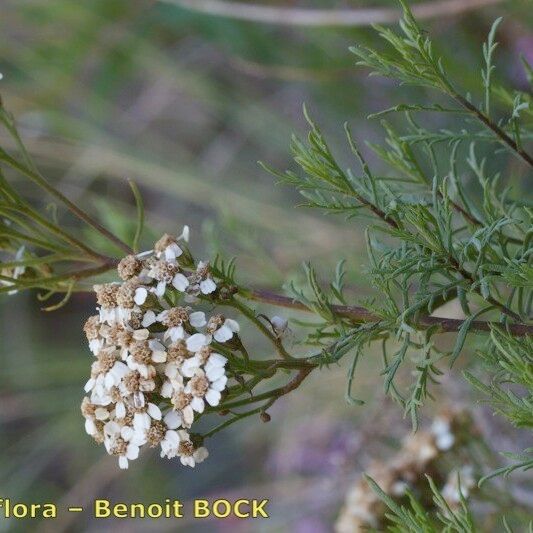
155,368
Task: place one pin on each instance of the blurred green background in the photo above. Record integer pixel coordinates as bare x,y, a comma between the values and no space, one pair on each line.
186,104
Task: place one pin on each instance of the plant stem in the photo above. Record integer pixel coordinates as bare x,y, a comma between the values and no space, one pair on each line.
271,396
360,315
250,314
493,127
43,183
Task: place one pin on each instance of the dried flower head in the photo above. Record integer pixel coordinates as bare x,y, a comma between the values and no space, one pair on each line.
129,267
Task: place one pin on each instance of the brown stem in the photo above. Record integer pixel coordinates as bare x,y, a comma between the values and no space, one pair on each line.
361,315
493,127
472,219
503,308
66,276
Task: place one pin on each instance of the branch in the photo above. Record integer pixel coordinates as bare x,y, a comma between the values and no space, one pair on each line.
493,127
360,314
293,16
82,215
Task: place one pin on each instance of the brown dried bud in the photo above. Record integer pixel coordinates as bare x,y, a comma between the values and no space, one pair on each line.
129,267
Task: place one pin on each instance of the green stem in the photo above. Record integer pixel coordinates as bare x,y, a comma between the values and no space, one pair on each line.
43,183
250,314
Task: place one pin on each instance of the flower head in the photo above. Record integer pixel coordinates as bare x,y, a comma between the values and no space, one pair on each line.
154,368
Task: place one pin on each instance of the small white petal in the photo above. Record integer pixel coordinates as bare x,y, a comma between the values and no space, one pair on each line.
219,384
119,370
160,289
190,366
188,415
167,389
140,295
172,437
132,452
172,251
95,345
445,441
141,334
214,373
200,454
171,370
232,324
89,385
198,404
120,411
279,323
159,357
172,420
223,334
176,333
154,411
123,462
187,461
196,341
126,432
207,286
141,420
111,428
90,426
184,234
197,319
215,359
213,397
109,380
148,318
180,282
156,346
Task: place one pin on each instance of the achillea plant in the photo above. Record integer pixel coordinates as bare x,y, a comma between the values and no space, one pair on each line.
162,362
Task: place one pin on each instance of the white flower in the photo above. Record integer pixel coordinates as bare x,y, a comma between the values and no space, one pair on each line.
214,366
206,284
175,318
114,376
171,440
143,419
225,332
170,444
150,348
143,354
188,454
202,388
183,408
